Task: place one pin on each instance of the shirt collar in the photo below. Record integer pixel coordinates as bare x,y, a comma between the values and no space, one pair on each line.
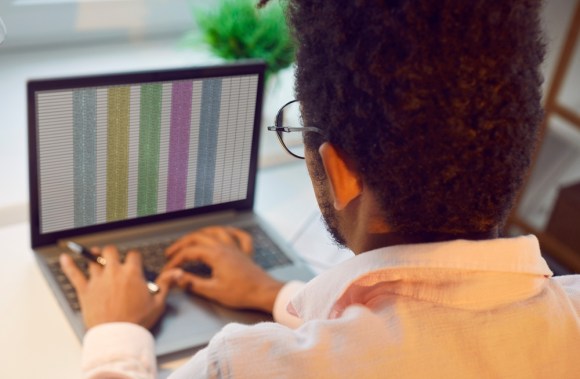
419,262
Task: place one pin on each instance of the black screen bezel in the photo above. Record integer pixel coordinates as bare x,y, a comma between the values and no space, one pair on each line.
39,239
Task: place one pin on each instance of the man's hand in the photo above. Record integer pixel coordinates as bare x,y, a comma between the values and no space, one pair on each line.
117,292
236,280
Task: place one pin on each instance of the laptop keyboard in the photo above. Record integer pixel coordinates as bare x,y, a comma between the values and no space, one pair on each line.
266,254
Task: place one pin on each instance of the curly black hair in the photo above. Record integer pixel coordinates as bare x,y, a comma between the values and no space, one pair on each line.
437,103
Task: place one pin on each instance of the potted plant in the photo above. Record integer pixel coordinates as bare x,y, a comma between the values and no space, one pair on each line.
237,29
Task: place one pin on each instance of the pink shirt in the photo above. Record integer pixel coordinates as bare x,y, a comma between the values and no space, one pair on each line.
459,309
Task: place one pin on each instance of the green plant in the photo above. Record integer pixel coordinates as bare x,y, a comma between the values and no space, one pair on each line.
236,29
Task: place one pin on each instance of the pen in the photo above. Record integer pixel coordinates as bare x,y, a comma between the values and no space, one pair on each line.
86,254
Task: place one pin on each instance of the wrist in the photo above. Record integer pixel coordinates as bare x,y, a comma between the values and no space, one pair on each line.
267,295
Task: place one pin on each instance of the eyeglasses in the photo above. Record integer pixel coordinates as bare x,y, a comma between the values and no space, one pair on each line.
291,141
2,31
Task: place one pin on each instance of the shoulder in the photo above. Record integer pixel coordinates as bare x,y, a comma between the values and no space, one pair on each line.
269,350
570,284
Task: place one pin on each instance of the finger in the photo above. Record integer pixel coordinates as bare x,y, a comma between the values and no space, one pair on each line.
192,253
165,281
195,238
244,240
134,259
94,269
176,261
111,255
96,250
73,273
220,234
176,246
195,284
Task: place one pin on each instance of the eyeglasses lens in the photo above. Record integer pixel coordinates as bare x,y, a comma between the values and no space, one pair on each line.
291,117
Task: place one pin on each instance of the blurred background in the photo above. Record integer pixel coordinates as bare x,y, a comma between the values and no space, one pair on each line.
53,38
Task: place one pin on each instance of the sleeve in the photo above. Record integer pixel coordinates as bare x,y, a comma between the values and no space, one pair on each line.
200,366
212,362
319,348
127,351
118,350
571,286
280,312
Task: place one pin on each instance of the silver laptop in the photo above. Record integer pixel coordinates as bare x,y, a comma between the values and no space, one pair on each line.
139,160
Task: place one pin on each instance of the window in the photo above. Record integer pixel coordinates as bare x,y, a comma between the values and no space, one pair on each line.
33,23
55,38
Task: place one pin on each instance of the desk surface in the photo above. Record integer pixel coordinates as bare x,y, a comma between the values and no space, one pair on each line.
36,340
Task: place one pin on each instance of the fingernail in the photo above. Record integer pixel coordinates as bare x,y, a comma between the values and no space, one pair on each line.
62,259
177,273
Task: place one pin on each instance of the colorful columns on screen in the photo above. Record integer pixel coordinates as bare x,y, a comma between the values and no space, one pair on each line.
149,142
137,113
84,158
114,153
143,108
117,153
210,111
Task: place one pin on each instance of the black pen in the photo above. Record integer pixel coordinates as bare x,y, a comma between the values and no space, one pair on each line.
86,254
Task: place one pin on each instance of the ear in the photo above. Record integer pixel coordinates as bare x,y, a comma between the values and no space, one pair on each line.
345,184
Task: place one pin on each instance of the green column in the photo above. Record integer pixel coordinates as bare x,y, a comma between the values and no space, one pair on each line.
149,139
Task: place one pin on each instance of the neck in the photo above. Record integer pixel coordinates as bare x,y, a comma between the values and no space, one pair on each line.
372,241
365,228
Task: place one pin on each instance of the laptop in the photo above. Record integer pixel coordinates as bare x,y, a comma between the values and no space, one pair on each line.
139,160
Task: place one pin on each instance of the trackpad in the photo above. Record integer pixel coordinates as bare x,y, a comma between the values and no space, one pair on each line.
190,321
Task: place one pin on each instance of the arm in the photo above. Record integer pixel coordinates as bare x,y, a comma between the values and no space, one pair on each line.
115,348
120,351
127,349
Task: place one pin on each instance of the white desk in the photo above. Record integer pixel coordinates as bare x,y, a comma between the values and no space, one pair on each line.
36,340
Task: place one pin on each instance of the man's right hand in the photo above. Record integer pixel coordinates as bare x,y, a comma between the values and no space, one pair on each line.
117,292
236,281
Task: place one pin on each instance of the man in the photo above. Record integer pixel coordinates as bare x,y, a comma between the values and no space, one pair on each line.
425,117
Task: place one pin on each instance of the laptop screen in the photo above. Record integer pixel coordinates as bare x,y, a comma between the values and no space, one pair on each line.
111,149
